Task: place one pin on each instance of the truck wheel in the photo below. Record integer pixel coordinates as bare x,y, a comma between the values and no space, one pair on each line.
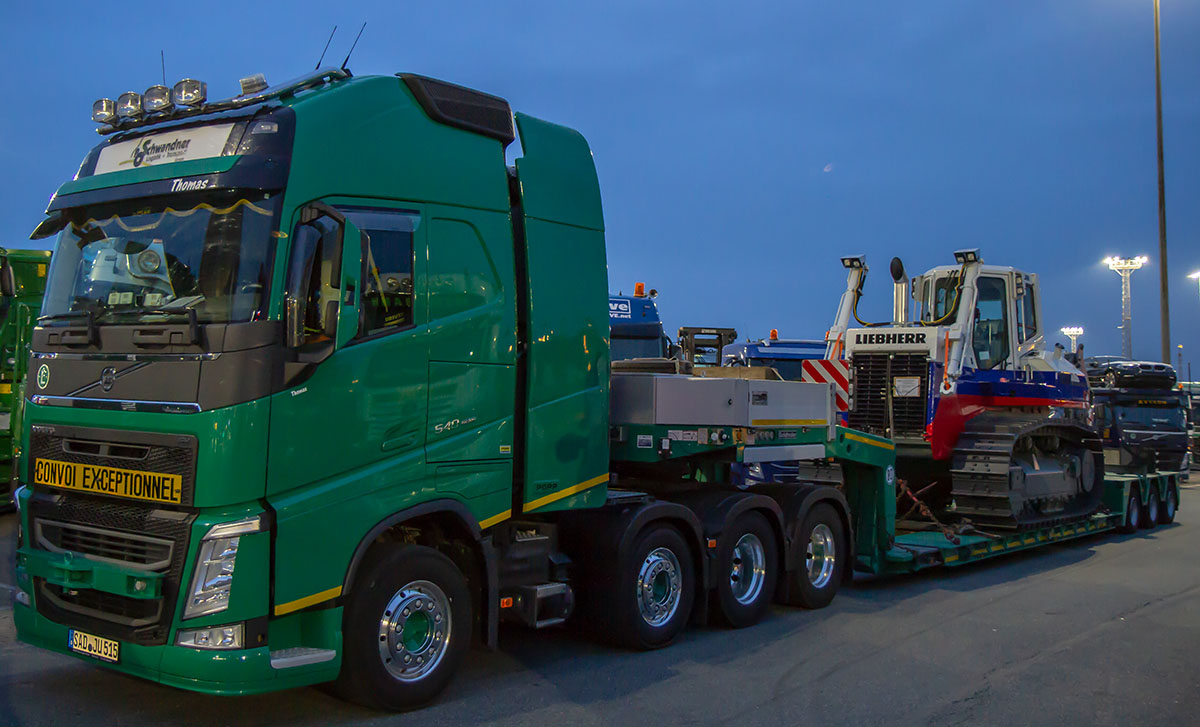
747,561
816,582
1133,512
655,589
1150,512
407,628
1170,503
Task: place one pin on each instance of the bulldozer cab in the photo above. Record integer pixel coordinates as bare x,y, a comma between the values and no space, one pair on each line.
996,308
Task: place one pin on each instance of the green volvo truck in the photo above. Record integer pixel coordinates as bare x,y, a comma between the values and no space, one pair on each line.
321,392
22,281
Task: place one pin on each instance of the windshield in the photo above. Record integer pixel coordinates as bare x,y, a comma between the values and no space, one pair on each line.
210,254
1151,418
623,349
788,368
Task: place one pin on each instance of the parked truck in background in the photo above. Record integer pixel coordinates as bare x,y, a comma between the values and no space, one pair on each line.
635,328
22,282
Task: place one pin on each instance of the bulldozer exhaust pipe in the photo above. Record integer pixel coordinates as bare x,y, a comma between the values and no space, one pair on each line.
900,294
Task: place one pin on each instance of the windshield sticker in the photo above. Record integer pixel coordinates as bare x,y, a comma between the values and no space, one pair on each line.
203,142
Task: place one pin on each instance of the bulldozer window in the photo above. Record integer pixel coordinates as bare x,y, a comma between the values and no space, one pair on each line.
991,337
1026,320
387,300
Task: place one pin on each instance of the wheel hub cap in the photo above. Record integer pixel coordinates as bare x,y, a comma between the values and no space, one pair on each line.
658,586
414,629
821,556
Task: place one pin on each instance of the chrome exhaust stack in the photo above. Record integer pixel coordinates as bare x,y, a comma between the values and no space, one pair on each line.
900,292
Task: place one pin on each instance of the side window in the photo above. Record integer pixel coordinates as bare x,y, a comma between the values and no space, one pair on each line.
387,277
1025,313
991,333
311,285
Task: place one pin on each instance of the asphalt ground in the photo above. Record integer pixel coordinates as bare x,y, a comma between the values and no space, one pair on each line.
1099,631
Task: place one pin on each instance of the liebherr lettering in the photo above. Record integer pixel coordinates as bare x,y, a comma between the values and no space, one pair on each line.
888,338
132,484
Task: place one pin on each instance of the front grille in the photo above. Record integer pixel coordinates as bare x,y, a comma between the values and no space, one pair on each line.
874,408
141,536
173,454
127,549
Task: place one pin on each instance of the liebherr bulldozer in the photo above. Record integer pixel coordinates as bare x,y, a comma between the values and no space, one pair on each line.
991,424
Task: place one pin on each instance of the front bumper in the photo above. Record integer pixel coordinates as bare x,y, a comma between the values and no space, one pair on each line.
245,671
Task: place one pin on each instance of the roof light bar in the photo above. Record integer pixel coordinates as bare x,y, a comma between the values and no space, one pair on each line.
189,92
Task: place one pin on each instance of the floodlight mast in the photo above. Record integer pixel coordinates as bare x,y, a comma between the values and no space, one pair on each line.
1125,268
1073,333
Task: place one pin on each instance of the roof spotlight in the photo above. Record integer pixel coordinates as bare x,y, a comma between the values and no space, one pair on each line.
157,99
189,92
129,105
854,261
104,111
967,256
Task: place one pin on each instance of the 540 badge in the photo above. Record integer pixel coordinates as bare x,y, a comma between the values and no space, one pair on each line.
133,484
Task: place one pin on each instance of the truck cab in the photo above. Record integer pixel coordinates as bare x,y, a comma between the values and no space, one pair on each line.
635,328
785,355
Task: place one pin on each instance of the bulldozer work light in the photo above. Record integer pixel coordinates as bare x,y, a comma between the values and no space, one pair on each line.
962,257
856,261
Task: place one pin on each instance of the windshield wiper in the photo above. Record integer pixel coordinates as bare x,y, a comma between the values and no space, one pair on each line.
92,333
193,319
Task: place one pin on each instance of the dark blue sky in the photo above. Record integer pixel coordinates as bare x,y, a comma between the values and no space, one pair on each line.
742,147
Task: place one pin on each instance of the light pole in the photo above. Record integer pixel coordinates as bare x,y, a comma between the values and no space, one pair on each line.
1125,267
1073,333
1162,200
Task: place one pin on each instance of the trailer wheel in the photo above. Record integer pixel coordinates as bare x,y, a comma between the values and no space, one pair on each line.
1170,503
654,590
407,628
1133,512
747,564
1150,511
816,582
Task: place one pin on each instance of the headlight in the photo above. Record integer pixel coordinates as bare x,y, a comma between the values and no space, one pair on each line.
104,111
129,105
216,637
755,470
156,99
189,92
213,577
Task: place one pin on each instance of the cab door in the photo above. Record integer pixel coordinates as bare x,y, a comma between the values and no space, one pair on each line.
353,409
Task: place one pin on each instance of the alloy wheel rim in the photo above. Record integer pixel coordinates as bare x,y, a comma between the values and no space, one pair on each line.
821,556
659,585
414,631
747,570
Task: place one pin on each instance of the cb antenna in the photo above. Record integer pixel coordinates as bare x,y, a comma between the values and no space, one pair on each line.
318,66
162,56
360,32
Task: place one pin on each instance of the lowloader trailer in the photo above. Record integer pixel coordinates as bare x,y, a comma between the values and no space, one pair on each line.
321,392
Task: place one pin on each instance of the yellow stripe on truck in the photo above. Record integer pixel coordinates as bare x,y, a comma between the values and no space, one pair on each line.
307,601
555,497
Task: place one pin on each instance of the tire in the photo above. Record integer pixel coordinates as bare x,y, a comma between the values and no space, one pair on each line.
381,610
651,598
822,543
1170,503
1151,510
1133,512
747,568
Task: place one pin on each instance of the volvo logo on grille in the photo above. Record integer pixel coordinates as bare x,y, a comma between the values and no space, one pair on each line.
108,377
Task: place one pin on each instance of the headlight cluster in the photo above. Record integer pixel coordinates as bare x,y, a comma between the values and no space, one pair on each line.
213,578
157,99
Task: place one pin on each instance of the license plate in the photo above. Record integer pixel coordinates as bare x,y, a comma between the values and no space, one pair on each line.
133,484
103,649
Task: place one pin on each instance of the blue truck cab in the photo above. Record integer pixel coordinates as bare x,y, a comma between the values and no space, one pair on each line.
783,355
635,328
